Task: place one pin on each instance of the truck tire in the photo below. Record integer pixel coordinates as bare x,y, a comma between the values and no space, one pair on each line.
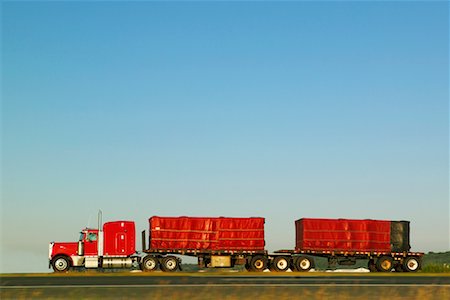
258,263
303,264
170,264
150,263
280,264
61,263
385,264
412,264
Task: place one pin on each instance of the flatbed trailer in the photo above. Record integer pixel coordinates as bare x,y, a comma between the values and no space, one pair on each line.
216,242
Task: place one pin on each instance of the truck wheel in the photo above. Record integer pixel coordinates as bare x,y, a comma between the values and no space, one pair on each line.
150,263
169,264
385,264
258,263
280,264
412,264
61,264
303,264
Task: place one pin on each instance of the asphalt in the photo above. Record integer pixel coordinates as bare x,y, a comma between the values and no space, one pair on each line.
9,281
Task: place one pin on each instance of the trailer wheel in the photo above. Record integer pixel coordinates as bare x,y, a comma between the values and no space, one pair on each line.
150,263
169,264
303,264
61,263
412,264
385,264
280,264
258,263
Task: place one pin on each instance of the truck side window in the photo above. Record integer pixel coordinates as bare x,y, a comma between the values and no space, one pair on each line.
92,237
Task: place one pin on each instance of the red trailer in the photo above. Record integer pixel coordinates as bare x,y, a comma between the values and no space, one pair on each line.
385,244
216,242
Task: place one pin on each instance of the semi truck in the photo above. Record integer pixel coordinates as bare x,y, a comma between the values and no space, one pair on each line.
223,242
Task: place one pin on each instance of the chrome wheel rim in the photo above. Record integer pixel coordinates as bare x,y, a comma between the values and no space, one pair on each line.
150,264
171,264
305,264
412,264
61,264
282,264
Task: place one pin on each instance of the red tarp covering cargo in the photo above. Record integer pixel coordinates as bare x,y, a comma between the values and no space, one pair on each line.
343,235
197,233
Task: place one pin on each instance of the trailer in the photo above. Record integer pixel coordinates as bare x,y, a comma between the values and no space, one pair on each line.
223,242
216,242
384,244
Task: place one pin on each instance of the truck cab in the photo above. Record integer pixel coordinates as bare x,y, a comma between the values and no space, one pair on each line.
113,246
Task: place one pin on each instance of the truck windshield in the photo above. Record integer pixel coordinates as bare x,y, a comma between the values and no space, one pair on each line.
81,236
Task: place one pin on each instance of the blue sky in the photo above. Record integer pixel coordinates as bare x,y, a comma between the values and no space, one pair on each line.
275,109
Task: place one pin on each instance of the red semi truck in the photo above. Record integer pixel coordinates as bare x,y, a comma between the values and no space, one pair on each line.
226,242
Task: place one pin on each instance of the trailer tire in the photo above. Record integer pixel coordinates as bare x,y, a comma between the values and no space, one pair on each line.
303,264
170,264
412,264
61,263
280,264
258,263
150,263
385,264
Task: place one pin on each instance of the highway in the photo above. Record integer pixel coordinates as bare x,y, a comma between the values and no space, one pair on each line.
195,280
231,286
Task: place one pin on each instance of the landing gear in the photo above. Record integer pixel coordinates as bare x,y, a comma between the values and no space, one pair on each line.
372,266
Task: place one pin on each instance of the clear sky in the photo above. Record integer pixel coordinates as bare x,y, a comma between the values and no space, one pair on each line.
275,109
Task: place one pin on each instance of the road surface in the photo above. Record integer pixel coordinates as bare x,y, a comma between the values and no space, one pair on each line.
229,286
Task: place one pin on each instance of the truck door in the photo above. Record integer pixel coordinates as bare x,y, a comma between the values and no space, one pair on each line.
91,244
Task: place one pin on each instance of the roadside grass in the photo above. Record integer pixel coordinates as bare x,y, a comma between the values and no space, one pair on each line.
436,268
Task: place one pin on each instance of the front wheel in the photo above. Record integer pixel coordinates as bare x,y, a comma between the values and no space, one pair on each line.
170,264
61,264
